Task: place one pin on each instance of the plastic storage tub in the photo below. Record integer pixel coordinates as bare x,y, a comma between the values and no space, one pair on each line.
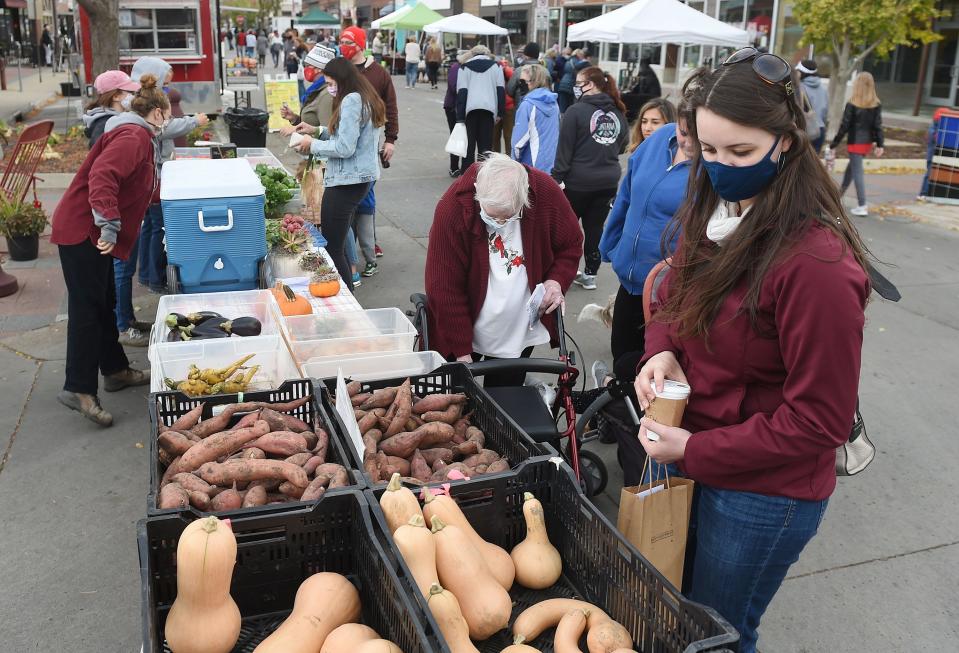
349,333
278,551
173,359
215,226
167,407
371,368
253,303
599,565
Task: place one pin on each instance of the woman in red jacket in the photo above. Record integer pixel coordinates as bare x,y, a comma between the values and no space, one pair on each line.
98,220
762,314
500,229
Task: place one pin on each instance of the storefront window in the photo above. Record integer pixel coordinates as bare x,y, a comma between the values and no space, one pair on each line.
155,30
788,34
691,56
732,12
577,15
759,21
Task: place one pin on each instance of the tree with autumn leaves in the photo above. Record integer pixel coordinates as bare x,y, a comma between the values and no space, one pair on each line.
850,30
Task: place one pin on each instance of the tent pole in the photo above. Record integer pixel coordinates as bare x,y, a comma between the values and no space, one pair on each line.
619,67
509,43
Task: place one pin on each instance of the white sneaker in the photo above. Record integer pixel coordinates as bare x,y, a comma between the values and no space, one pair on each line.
587,281
133,337
600,372
861,211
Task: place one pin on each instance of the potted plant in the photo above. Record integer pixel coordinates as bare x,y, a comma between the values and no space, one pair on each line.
22,223
287,239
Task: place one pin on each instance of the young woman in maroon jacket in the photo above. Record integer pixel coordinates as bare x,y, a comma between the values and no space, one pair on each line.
762,314
98,220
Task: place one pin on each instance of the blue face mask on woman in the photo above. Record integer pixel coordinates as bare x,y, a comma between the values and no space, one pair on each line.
739,183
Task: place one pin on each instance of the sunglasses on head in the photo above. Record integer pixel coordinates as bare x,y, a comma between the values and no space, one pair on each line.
770,68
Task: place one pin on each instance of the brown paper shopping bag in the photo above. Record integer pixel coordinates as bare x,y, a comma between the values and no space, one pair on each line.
658,523
312,189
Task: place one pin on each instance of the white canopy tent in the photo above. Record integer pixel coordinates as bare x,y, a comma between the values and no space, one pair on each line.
467,23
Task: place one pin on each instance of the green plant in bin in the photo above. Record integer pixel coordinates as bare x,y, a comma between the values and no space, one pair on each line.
278,188
21,218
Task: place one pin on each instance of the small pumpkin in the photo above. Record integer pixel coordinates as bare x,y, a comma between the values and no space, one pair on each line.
325,282
290,303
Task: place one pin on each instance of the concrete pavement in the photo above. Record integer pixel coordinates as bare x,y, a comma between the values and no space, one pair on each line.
881,575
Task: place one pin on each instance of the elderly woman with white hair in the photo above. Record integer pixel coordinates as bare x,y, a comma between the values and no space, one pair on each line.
498,231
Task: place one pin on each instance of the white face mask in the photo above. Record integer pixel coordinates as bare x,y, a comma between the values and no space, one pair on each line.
496,224
127,102
331,89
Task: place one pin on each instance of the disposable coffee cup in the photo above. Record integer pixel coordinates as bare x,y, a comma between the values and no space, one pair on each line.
668,406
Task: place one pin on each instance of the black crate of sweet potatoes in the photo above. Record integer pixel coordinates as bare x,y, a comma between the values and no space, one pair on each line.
452,425
277,446
598,565
275,553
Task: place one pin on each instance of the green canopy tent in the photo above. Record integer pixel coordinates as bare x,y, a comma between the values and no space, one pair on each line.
414,20
317,18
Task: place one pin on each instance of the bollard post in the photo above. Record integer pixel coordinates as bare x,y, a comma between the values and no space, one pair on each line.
19,62
3,73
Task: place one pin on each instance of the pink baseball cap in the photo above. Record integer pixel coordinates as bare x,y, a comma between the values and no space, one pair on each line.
113,80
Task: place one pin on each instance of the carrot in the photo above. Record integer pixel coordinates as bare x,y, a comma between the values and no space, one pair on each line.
173,496
252,470
380,398
404,407
280,422
192,483
419,468
310,465
188,420
449,416
437,402
299,458
255,496
220,444
316,488
432,455
228,500
337,474
174,442
279,443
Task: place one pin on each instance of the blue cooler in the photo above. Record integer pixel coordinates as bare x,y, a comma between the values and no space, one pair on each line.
215,226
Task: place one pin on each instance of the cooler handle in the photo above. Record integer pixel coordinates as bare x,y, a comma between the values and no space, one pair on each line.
223,227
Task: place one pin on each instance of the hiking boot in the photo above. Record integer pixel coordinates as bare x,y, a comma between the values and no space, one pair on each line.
133,337
126,378
587,281
370,270
378,251
861,211
86,405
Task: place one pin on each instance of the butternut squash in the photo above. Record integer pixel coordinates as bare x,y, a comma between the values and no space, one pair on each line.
546,614
399,504
497,559
568,632
378,646
415,542
538,563
486,606
449,617
624,650
204,618
608,637
519,648
324,602
345,638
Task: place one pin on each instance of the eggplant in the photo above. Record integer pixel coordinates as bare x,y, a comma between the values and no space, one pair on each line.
204,331
242,326
174,320
202,316
174,335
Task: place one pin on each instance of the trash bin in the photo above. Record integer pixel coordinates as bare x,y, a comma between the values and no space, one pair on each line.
247,126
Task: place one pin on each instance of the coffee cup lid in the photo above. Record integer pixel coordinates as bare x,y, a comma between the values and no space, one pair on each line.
673,390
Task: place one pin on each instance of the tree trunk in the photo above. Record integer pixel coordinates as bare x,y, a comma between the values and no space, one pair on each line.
841,72
104,33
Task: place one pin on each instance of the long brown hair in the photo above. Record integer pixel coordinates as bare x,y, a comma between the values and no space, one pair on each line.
349,80
802,194
665,109
104,100
149,97
603,81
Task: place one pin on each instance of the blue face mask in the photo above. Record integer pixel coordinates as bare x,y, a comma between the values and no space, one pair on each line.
735,184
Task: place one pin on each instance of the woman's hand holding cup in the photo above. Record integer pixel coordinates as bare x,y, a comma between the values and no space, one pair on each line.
657,369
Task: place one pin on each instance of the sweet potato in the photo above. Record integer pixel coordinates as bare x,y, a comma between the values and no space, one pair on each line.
353,388
322,444
459,428
228,500
411,425
310,465
371,468
312,439
449,416
404,408
280,422
380,398
287,489
252,470
432,455
279,443
170,472
192,483
316,488
376,434
287,406
247,420
437,402
466,449
386,420
255,496
215,424
419,468
359,399
165,459
299,458
253,453
435,433
368,421
172,495
174,442
479,470
369,445
337,474
398,465
404,444
484,457
270,485
199,500
501,465
439,464
219,444
442,474
188,420
358,414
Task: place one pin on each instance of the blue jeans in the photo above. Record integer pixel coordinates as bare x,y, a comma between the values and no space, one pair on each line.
152,260
745,544
350,247
412,71
123,280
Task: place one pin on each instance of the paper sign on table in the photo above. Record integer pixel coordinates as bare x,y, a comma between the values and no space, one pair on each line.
345,408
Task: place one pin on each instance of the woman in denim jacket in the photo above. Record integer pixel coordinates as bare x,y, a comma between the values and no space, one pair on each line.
350,145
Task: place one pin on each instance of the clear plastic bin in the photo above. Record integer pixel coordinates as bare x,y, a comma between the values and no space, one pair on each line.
253,303
374,368
349,333
173,360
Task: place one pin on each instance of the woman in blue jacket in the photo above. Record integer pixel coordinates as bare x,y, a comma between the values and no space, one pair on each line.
649,195
536,132
350,146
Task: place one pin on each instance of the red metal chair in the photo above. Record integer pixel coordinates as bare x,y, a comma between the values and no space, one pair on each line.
19,175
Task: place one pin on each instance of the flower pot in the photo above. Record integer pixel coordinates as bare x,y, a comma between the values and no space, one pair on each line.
23,248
